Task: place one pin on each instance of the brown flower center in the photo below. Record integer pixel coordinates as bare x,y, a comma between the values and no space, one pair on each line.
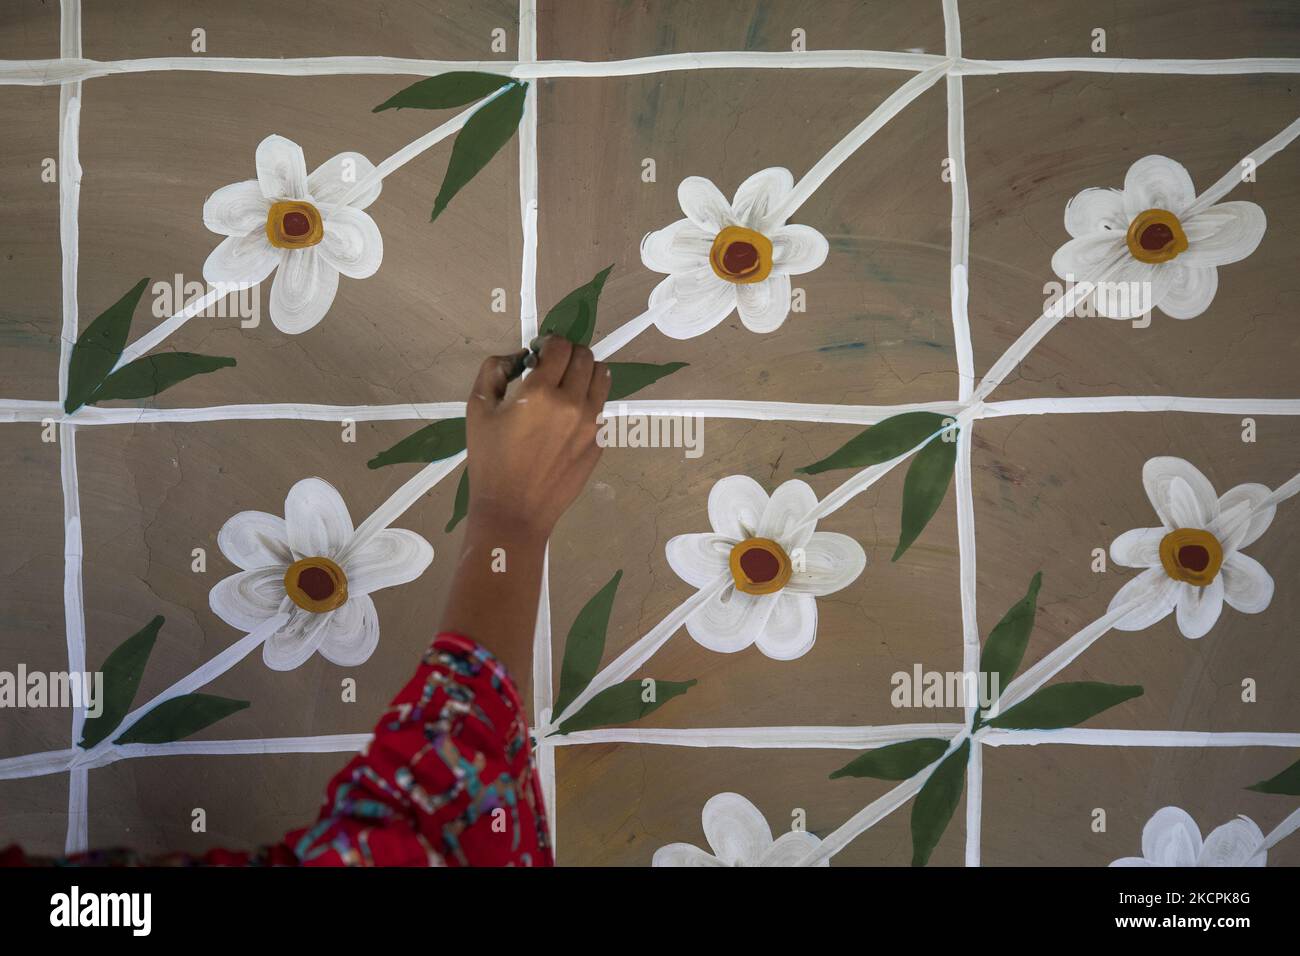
760,566
1191,555
316,584
294,225
1156,235
741,255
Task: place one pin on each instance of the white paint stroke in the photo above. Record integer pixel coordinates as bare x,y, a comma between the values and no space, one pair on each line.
1141,403
959,247
761,738
48,72
974,803
1107,737
627,663
37,764
1099,64
69,172
866,818
404,497
166,327
629,330
1283,830
323,744
893,104
1229,180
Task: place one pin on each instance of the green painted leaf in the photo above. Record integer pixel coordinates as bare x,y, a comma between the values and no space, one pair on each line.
461,506
1006,643
431,443
153,373
574,316
629,377
895,762
935,804
585,645
179,717
924,488
1288,781
622,704
1064,705
99,347
487,131
444,91
122,670
881,442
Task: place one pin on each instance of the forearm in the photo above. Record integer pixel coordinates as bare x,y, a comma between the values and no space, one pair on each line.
495,591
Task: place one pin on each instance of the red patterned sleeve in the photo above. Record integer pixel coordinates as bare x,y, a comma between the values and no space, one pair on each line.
448,778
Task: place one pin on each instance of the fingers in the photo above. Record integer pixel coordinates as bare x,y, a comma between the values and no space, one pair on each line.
598,391
577,377
552,362
493,377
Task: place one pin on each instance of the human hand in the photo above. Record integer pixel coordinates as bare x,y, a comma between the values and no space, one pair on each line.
531,453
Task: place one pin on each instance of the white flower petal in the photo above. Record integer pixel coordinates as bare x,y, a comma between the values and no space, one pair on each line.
1238,842
764,305
1247,585
1225,233
352,632
1131,861
735,829
759,198
1241,521
683,854
1096,210
1133,289
1157,182
332,179
1190,292
1087,257
782,519
680,247
237,209
798,249
704,205
292,645
255,539
281,169
730,621
1139,548
699,301
1181,495
1199,608
790,848
699,559
393,556
303,291
1158,593
317,519
791,629
736,506
242,260
352,243
246,599
831,563
1171,838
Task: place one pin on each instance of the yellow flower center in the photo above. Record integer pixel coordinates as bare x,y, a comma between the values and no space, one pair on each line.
741,255
294,225
1156,235
760,566
316,584
1191,555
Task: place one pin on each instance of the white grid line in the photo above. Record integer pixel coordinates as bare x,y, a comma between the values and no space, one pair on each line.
71,69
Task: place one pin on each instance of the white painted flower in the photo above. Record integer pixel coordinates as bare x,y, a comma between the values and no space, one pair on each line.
730,255
1166,258
1172,838
739,836
307,565
777,563
287,219
1193,562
